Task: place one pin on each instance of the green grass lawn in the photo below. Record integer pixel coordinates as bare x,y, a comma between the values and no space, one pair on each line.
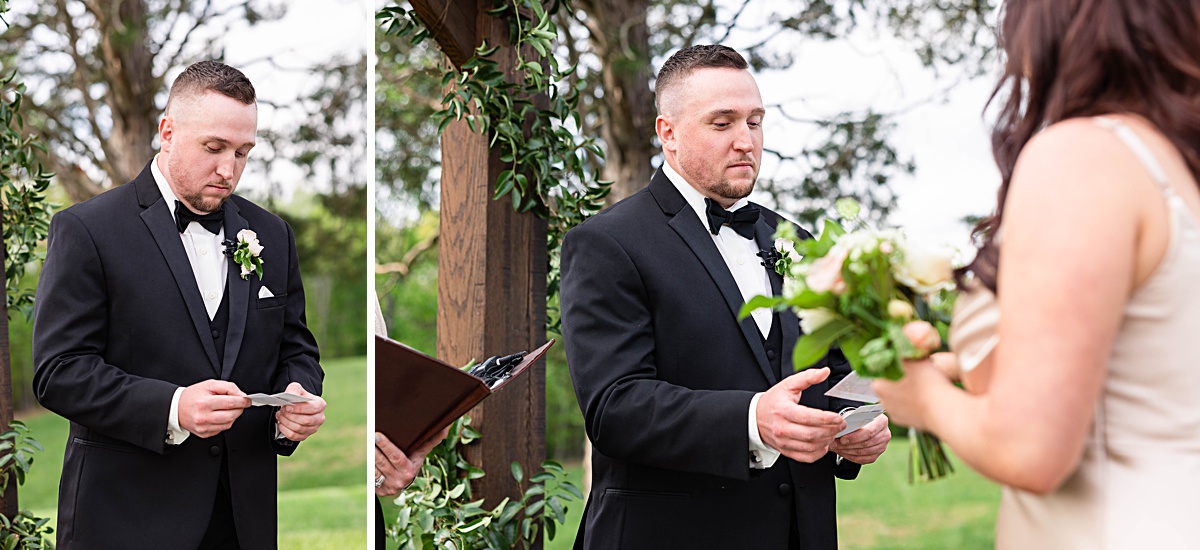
880,510
322,488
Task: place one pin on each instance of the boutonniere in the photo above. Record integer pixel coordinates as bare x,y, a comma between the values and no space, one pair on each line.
780,257
246,252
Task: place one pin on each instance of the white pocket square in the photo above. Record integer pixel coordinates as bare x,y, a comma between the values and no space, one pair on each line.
264,292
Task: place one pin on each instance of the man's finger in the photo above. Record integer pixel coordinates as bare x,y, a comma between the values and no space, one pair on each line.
226,402
222,387
800,381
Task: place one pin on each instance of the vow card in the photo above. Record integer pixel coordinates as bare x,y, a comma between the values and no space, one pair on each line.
859,417
854,388
277,400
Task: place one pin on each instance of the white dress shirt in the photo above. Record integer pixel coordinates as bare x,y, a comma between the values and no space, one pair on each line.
741,255
206,253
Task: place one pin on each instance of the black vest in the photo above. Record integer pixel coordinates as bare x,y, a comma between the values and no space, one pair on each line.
774,344
219,325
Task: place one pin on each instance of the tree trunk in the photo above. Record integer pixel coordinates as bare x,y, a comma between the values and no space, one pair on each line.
620,36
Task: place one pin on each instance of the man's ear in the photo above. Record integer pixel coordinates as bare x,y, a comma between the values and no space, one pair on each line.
166,131
666,133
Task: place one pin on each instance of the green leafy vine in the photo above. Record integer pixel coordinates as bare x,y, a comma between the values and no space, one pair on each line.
548,163
24,212
436,511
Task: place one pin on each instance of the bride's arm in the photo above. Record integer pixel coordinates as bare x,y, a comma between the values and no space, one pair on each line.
1072,223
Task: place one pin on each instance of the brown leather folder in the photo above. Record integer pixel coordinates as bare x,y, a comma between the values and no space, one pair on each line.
417,395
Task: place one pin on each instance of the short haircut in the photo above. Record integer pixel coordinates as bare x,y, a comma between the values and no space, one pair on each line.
679,66
212,76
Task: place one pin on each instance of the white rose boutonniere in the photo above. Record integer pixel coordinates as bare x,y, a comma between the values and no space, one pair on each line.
246,252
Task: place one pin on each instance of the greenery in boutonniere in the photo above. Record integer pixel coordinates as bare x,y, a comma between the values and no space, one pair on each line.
246,252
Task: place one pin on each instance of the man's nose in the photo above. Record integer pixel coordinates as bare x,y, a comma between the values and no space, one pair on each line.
225,166
744,139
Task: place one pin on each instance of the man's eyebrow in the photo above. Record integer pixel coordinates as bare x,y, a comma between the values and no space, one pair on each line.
722,112
224,141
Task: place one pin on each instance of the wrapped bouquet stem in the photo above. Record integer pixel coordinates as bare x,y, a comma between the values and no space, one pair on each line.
879,297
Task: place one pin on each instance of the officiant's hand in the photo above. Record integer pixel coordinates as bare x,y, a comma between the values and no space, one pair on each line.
864,445
208,408
396,469
800,433
300,420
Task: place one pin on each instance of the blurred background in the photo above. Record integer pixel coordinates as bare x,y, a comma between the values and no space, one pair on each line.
96,76
880,100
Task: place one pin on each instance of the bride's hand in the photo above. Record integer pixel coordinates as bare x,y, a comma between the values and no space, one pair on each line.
906,400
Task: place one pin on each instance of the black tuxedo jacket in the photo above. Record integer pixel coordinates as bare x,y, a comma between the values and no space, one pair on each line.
664,373
119,325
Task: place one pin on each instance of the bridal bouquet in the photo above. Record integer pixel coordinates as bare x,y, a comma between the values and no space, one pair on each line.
879,297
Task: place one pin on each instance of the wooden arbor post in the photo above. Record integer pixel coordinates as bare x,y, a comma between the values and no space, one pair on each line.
491,266
8,500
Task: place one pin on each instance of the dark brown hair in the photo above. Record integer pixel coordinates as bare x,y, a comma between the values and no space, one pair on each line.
1083,58
214,76
680,65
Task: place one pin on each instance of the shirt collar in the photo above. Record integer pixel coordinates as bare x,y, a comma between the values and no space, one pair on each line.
694,198
163,187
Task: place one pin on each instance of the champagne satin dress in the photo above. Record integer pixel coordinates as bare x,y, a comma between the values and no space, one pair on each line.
1138,483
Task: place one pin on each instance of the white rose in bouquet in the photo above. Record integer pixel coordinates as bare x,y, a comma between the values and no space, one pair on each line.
925,269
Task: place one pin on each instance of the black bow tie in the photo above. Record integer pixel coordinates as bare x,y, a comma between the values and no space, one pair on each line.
211,221
742,220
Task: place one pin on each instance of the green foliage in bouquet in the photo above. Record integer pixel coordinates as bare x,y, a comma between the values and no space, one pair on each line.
436,511
878,297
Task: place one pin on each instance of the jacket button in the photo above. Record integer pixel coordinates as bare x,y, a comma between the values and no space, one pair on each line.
785,489
214,450
216,333
770,354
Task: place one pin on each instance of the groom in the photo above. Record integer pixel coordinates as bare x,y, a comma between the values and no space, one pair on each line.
689,409
148,338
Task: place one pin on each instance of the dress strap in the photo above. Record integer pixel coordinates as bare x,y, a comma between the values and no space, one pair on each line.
1139,149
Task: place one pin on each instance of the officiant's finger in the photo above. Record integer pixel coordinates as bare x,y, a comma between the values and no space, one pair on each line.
420,453
388,452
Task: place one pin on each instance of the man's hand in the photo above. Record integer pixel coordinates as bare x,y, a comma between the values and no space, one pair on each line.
297,422
398,469
800,433
864,445
208,408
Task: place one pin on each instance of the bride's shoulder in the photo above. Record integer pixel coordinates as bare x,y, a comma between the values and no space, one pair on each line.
1078,151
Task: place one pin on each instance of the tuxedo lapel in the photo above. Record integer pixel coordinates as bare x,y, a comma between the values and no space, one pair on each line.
238,289
789,325
685,223
157,217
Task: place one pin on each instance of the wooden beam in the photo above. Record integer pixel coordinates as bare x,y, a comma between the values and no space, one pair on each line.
492,293
8,501
452,24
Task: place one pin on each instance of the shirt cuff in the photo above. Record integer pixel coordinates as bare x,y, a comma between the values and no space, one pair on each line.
762,456
175,433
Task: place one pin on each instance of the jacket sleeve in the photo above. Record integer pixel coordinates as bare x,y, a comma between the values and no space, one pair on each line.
629,413
299,359
70,329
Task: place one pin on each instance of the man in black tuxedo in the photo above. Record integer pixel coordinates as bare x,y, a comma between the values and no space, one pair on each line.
688,408
148,337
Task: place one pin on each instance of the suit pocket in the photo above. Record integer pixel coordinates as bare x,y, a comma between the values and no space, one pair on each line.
104,445
273,301
633,493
